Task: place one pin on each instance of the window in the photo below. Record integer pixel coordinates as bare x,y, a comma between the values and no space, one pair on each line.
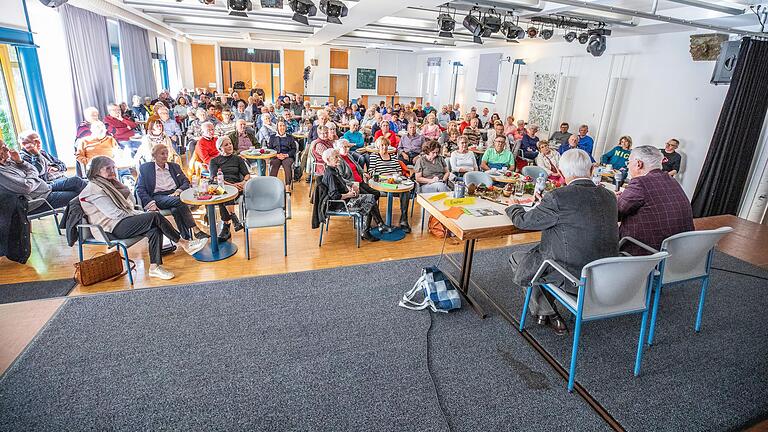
113,31
14,113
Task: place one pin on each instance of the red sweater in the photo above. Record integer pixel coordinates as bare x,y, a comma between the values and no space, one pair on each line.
394,140
123,127
206,149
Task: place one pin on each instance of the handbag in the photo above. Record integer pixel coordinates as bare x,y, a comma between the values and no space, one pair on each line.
297,173
439,294
106,266
436,228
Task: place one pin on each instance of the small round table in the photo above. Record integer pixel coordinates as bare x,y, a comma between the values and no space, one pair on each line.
260,158
215,251
504,179
388,232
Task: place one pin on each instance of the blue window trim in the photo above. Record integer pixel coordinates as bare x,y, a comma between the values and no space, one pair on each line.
16,37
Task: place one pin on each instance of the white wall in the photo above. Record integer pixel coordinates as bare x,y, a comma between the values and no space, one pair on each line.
661,93
57,78
13,15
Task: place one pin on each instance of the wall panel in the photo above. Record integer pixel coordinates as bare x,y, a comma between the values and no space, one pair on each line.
203,65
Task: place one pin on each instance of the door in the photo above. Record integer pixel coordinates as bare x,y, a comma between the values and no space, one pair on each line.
387,85
340,87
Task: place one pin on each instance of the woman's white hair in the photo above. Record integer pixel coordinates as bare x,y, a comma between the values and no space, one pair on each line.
354,122
266,116
340,144
575,163
649,155
328,153
97,127
90,111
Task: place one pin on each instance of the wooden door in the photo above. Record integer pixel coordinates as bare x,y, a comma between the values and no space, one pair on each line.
340,87
387,85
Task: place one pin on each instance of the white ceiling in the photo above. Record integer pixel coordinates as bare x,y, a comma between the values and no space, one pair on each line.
412,26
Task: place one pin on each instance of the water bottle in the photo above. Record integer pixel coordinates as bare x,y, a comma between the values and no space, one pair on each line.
220,178
203,186
194,181
459,189
618,178
541,184
596,177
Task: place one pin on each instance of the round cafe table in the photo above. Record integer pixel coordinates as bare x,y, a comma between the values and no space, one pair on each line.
260,158
503,178
388,232
215,251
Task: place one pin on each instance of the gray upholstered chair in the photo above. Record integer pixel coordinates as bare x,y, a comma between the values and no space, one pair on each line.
264,206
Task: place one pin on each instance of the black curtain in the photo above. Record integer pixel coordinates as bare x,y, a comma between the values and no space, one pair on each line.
726,168
250,55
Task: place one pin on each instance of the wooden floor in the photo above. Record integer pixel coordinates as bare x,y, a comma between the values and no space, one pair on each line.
52,259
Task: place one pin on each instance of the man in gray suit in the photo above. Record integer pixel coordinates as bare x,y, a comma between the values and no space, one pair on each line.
578,224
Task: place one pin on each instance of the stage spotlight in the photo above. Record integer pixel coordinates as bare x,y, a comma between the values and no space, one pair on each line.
570,36
472,23
302,9
597,45
238,7
333,10
547,34
207,2
491,23
583,38
446,24
532,32
512,31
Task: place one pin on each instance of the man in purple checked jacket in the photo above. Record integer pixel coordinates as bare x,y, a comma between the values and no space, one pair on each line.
653,206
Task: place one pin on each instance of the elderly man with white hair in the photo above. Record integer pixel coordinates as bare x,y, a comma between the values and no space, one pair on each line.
578,225
267,129
124,128
91,115
170,127
654,205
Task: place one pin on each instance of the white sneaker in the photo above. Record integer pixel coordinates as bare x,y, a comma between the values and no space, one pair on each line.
160,272
194,246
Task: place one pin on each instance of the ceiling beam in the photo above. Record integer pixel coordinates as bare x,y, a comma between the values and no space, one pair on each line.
711,6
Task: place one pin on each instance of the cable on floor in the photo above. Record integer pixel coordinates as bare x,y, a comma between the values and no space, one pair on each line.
432,375
740,273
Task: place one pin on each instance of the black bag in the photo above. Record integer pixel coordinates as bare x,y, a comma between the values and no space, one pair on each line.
297,173
239,85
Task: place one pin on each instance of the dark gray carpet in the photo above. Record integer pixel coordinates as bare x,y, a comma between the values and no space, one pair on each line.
712,381
23,291
324,350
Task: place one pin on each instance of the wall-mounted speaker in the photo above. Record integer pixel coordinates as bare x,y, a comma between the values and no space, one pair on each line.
726,62
313,62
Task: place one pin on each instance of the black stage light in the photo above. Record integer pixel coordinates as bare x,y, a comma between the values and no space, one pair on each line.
491,23
238,7
446,24
570,36
207,2
597,45
512,31
532,32
301,10
333,9
472,23
583,38
547,34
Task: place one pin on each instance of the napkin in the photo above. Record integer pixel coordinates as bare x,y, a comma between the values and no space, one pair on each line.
453,212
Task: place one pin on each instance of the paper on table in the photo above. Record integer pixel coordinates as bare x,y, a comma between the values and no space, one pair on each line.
453,212
438,197
459,201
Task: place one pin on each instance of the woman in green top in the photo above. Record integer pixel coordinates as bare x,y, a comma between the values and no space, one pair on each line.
618,156
498,156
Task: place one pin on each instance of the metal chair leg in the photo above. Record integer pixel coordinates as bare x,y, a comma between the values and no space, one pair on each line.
700,312
524,315
574,353
285,239
56,219
247,245
127,263
654,313
639,355
322,229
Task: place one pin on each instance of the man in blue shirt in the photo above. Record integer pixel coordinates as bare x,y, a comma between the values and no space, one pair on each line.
586,142
573,142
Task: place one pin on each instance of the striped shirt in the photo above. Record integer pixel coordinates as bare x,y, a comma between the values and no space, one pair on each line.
377,165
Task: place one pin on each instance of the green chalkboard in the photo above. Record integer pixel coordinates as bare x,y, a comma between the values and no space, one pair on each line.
366,79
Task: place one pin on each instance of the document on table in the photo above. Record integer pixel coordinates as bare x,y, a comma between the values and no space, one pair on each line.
481,212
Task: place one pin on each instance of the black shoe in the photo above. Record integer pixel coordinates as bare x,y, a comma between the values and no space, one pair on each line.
200,234
542,319
370,237
236,222
405,227
225,235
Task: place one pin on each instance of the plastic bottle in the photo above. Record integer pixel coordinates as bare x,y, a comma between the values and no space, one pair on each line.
618,178
596,177
541,184
220,178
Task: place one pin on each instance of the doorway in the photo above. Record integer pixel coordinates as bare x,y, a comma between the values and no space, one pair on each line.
387,85
339,87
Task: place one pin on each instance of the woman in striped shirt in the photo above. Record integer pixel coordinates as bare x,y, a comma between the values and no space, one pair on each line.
384,164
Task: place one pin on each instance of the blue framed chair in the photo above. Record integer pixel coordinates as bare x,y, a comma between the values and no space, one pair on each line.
608,288
342,210
534,171
48,210
690,259
85,235
264,205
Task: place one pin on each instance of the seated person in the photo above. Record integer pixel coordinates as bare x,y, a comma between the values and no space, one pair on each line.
365,203
472,132
498,156
139,111
213,114
91,115
155,136
170,127
383,164
206,146
653,206
566,236
354,136
181,110
431,130
195,130
618,156
241,113
317,147
291,125
497,129
529,143
226,126
124,128
285,145
549,160
242,138
351,167
410,144
384,131
585,141
236,173
463,160
49,168
450,141
21,178
159,185
267,129
97,143
672,159
109,204
520,131
398,124
560,137
431,170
